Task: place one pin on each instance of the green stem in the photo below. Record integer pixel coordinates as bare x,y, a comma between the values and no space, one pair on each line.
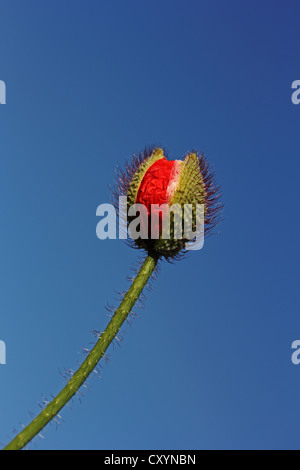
89,364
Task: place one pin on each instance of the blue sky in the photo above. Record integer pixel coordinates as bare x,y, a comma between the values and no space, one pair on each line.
207,365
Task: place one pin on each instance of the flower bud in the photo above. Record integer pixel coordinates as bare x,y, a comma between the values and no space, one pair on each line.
171,192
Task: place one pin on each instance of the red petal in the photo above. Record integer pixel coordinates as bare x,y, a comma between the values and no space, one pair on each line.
153,188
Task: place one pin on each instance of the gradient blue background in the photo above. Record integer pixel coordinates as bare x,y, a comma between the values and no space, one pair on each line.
208,363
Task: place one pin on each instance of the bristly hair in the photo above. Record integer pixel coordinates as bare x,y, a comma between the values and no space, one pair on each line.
123,179
213,193
213,214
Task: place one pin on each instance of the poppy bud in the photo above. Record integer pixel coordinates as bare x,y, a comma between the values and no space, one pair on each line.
170,190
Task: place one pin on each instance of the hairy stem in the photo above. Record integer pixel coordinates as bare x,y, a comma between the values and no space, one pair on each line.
89,364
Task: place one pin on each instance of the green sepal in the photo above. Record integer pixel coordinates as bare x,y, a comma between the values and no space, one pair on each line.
191,190
139,175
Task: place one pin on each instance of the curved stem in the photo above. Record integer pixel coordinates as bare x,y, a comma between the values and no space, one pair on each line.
91,360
